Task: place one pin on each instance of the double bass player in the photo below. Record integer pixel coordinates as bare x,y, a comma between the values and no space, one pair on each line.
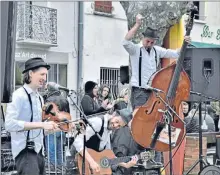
144,60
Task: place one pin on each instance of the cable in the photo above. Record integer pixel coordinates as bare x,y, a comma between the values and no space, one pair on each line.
33,137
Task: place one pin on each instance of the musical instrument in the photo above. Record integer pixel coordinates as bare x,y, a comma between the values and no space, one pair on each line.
106,159
50,112
150,119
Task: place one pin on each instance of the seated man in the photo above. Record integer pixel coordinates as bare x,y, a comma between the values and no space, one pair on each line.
104,127
124,145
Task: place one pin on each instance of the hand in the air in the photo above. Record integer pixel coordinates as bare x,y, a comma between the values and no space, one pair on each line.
187,39
105,103
139,18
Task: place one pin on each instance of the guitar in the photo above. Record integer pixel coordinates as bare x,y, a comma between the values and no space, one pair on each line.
106,159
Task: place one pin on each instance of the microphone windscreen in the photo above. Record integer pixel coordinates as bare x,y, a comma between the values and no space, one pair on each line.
51,86
48,108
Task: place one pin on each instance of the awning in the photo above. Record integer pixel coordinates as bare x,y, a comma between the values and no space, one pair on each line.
195,44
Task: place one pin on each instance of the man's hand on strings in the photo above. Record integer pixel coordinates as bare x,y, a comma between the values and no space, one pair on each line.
131,163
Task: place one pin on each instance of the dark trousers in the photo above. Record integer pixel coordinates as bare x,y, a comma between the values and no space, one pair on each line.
28,162
139,96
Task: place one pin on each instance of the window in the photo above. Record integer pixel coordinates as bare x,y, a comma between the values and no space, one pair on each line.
57,74
200,15
110,77
103,6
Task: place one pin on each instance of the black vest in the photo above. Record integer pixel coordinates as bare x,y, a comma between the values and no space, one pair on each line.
94,141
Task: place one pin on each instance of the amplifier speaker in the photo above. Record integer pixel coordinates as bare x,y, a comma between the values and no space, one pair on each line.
203,68
124,74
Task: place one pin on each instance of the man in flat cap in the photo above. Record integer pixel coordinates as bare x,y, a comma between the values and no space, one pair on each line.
104,126
24,120
145,59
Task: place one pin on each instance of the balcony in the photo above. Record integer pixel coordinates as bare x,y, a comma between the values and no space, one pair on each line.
36,25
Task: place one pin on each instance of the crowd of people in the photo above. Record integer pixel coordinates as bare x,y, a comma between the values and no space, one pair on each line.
210,119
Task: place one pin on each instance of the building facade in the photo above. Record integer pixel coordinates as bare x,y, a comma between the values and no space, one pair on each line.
105,25
206,27
42,31
50,30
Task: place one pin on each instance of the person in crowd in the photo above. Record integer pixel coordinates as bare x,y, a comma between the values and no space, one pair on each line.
104,93
122,101
192,121
185,108
215,105
24,120
89,104
104,126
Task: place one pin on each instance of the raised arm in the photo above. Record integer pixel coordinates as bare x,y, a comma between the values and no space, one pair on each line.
134,29
128,45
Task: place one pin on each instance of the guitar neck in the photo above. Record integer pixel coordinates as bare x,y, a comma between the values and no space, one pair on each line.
118,160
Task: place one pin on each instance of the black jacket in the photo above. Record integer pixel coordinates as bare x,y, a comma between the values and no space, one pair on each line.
124,145
89,105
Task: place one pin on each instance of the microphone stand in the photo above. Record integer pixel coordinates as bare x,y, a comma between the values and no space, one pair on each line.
201,160
168,120
204,96
86,121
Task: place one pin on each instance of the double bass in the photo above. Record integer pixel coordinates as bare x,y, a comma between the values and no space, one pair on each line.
175,84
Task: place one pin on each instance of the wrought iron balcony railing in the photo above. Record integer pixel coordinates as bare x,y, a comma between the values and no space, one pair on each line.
36,25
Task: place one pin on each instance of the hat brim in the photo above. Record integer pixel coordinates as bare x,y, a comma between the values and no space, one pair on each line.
35,67
146,36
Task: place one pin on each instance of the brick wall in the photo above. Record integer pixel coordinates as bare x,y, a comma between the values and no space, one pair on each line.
192,152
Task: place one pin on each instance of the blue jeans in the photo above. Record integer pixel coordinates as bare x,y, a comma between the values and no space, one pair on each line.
55,150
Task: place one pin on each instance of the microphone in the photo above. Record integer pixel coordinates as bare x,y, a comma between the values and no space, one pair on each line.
48,110
56,87
154,89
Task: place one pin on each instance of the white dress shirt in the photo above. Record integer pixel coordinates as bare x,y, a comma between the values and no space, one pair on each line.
148,66
17,113
96,122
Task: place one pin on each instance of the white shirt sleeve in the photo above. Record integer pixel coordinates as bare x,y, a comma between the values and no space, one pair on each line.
129,46
167,53
108,144
12,113
97,124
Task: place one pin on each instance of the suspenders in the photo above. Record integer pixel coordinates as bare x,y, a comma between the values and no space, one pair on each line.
31,120
140,62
